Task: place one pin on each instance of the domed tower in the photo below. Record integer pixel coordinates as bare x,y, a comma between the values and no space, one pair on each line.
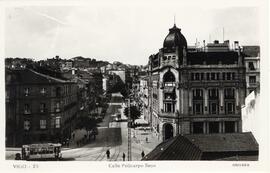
174,48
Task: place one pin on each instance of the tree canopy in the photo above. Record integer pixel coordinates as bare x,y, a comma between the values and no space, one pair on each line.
86,122
134,113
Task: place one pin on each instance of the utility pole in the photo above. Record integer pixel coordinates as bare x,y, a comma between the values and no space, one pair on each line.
129,132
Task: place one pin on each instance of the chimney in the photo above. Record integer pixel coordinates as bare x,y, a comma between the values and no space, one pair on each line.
236,45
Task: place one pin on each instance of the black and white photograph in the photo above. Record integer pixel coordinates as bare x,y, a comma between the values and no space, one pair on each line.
135,84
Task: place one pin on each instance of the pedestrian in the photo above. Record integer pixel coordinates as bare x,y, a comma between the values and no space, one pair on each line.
142,154
124,156
73,136
108,154
146,139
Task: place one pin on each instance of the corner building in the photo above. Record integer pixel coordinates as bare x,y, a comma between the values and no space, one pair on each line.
197,90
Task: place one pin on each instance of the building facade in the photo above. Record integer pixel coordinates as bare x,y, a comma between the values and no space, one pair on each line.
252,62
39,108
195,90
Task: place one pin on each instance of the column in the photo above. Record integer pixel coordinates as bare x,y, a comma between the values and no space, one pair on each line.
190,100
223,127
207,127
205,100
204,128
221,101
220,127
237,100
235,126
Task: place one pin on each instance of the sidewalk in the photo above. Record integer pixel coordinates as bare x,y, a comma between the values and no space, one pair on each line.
143,140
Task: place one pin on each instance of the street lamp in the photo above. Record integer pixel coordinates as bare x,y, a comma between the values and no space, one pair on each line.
129,132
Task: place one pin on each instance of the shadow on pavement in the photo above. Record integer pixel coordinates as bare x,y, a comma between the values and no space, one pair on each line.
107,137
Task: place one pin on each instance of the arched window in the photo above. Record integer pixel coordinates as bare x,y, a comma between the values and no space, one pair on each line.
168,77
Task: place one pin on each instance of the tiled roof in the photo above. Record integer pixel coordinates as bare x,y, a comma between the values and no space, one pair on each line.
224,142
193,146
178,148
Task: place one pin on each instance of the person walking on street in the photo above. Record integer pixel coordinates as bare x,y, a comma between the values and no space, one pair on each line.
108,154
124,156
142,154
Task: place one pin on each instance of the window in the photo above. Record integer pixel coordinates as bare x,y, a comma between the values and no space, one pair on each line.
27,109
251,66
213,76
168,77
208,76
58,92
43,91
26,125
43,124
229,107
42,107
197,109
57,107
57,122
217,76
223,76
192,76
197,76
169,107
213,127
197,94
213,108
233,76
229,93
26,91
164,58
252,79
228,76
202,76
213,93
197,127
229,126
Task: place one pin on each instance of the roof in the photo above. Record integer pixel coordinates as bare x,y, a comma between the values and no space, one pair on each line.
229,57
224,142
178,148
174,38
27,76
251,51
194,146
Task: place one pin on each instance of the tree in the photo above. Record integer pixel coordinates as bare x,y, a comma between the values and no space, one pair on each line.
86,122
134,113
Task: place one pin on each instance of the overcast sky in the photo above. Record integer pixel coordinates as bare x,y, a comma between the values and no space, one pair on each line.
126,33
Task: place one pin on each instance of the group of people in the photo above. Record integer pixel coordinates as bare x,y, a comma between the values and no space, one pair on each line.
123,156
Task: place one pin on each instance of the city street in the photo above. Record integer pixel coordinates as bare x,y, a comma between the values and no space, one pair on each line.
112,136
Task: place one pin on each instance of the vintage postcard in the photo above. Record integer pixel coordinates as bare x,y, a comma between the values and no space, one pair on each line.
135,86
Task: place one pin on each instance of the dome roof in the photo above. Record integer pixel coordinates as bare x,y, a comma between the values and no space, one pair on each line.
174,38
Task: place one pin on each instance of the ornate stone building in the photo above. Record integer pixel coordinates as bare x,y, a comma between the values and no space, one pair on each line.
197,90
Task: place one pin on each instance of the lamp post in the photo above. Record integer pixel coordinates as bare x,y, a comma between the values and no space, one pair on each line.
178,122
129,132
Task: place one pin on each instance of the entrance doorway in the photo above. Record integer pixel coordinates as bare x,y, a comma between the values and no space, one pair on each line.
168,131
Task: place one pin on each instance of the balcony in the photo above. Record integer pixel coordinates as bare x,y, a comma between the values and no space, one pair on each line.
43,110
253,84
172,62
57,110
167,114
27,112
